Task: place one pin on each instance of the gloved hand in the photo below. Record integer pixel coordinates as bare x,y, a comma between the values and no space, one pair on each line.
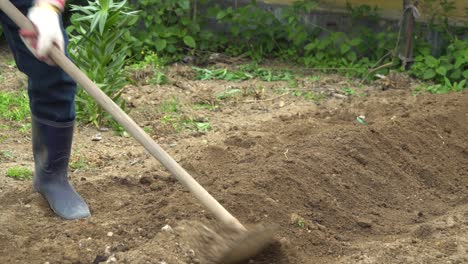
45,18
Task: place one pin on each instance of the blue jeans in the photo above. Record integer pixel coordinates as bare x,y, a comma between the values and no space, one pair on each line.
51,91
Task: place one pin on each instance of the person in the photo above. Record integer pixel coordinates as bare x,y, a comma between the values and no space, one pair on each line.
51,99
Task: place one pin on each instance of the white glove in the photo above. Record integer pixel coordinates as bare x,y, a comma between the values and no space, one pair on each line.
48,31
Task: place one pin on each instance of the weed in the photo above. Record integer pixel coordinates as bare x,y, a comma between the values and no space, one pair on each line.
149,70
25,128
245,72
148,129
301,223
202,126
348,91
200,106
229,93
180,122
78,163
314,78
446,87
19,173
308,95
6,155
14,106
169,106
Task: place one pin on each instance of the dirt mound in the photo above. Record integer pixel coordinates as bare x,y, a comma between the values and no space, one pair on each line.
377,179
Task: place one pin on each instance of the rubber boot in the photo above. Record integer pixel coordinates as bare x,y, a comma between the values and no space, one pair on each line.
51,148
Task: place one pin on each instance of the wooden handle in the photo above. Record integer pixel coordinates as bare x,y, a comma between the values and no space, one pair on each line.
130,126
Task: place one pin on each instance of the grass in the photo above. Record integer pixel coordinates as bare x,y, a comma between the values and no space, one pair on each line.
172,115
169,106
204,106
14,106
78,163
244,72
19,173
6,155
348,91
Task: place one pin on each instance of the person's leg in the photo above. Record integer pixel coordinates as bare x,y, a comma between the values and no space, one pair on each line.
51,94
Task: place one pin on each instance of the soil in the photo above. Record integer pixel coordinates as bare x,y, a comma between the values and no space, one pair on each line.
390,189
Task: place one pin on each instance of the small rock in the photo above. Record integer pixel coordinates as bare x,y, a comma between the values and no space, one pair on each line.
107,251
109,234
321,227
450,222
167,228
97,137
281,104
339,96
364,223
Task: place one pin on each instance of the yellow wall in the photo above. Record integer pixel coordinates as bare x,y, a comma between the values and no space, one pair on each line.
389,8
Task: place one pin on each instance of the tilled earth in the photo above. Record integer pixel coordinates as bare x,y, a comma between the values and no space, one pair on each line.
390,189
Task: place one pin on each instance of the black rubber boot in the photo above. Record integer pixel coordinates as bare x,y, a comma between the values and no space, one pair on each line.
51,148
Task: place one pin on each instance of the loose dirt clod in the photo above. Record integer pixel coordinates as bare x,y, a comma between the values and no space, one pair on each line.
222,244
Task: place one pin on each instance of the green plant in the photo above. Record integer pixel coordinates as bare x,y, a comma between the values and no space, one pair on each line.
253,31
169,27
6,155
150,69
19,173
148,129
349,91
438,12
169,106
201,106
244,72
14,106
228,93
308,95
25,128
98,45
452,66
363,11
447,87
78,162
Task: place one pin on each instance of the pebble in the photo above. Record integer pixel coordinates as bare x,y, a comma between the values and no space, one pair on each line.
339,96
167,228
109,234
97,137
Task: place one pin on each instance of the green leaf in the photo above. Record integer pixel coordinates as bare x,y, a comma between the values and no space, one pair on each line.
310,46
356,41
431,61
465,74
189,41
351,56
344,48
441,70
429,74
160,44
456,74
221,14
